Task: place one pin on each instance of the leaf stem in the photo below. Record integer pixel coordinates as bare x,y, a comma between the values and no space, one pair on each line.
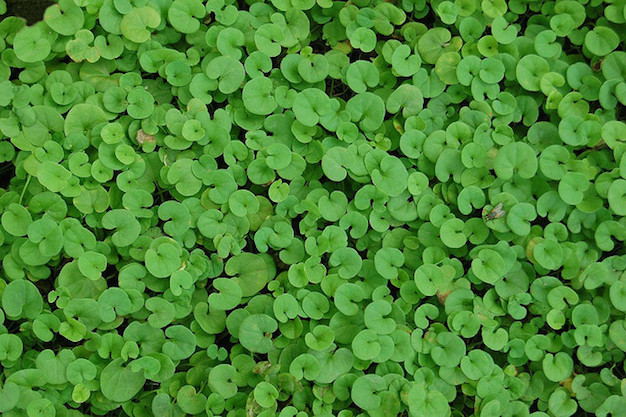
24,189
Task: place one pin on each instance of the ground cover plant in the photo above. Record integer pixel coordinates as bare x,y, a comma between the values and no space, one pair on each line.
313,208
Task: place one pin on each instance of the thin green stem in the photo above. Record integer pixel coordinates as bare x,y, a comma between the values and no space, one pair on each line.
24,189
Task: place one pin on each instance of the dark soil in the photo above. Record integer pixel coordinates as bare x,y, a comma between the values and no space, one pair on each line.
31,10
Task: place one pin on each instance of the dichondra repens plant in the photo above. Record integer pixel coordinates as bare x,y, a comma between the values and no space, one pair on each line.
313,208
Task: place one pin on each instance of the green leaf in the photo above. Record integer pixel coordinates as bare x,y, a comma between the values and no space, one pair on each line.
119,383
137,24
21,299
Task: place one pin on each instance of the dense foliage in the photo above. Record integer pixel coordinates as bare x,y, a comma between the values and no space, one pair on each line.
313,208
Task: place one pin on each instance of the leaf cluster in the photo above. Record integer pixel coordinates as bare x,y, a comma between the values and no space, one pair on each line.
313,208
